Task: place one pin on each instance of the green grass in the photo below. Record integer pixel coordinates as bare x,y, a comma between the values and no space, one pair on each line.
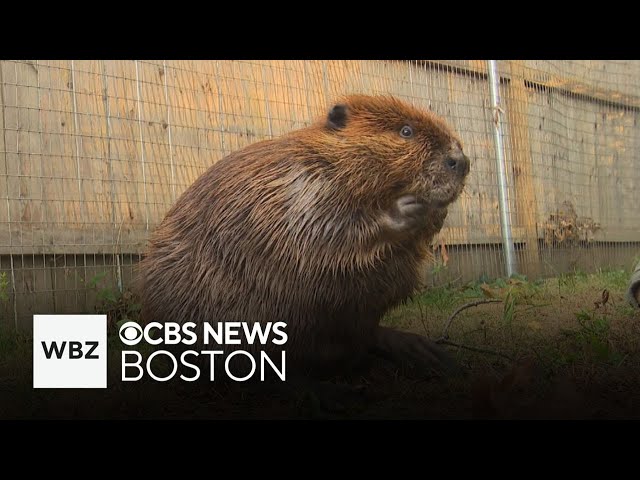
579,281
557,319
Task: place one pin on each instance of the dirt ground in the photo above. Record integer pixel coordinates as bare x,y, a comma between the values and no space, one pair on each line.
562,348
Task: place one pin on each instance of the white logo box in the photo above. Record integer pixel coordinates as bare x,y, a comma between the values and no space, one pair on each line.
77,348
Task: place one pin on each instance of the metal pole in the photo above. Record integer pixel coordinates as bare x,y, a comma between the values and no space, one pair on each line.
505,221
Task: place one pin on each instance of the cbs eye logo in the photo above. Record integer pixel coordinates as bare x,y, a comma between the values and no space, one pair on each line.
130,333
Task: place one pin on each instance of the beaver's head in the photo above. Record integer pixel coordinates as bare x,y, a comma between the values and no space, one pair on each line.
404,148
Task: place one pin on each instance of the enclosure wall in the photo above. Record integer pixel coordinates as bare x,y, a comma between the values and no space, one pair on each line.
93,154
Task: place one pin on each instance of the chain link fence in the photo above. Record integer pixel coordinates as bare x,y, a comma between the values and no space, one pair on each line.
93,153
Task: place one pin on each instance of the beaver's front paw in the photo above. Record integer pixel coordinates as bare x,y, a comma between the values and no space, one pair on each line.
407,214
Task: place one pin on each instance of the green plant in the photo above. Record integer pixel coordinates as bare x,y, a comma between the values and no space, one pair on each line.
438,267
118,306
566,281
593,336
4,287
612,279
508,312
440,298
105,294
572,281
517,286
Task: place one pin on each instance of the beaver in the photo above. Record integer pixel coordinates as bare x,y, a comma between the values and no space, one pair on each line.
324,228
633,290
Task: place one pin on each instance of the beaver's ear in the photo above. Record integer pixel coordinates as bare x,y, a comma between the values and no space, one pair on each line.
337,117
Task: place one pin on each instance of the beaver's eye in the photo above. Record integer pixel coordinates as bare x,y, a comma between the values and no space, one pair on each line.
406,131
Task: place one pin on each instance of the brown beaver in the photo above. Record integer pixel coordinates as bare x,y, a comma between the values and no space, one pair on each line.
325,228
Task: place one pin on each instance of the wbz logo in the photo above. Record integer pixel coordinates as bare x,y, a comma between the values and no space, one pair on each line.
69,351
75,350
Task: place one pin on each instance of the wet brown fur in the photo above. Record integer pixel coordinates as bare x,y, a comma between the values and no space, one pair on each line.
292,229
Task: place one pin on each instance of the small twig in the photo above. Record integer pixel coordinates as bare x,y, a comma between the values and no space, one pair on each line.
480,350
445,333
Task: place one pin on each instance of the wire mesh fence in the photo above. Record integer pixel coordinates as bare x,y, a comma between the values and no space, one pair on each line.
94,153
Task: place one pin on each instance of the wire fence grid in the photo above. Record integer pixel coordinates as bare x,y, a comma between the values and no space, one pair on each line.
93,154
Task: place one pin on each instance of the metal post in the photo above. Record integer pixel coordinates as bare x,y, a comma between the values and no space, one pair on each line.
505,221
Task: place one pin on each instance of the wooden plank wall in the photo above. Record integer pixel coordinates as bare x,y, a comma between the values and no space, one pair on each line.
122,139
93,153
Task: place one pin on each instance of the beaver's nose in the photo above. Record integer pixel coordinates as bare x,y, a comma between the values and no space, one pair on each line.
458,162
